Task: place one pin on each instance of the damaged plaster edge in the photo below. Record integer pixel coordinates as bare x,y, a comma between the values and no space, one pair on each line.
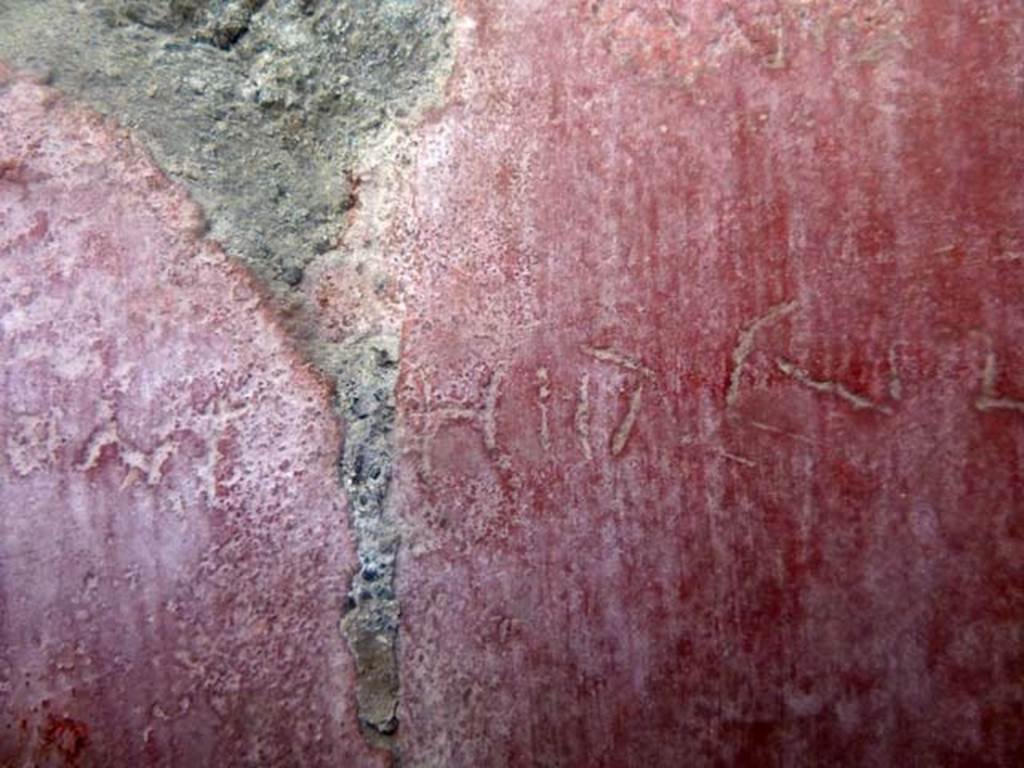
365,372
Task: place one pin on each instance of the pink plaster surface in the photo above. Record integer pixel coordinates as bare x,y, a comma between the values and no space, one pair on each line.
712,392
711,413
174,553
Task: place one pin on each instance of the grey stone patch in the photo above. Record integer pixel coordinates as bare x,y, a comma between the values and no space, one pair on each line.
367,374
263,108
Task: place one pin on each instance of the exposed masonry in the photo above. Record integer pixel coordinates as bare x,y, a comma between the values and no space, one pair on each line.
366,386
264,109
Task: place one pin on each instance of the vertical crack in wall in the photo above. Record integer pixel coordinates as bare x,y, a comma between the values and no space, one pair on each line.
366,387
263,108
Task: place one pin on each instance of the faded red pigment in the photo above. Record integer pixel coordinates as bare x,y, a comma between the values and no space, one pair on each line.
711,413
712,395
173,546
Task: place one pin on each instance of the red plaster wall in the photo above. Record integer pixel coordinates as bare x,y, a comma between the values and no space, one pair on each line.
712,401
174,553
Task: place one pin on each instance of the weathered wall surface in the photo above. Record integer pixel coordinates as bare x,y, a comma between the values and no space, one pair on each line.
711,398
260,107
270,112
709,402
175,554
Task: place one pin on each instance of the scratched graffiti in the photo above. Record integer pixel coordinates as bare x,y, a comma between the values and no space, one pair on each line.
642,393
673,45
